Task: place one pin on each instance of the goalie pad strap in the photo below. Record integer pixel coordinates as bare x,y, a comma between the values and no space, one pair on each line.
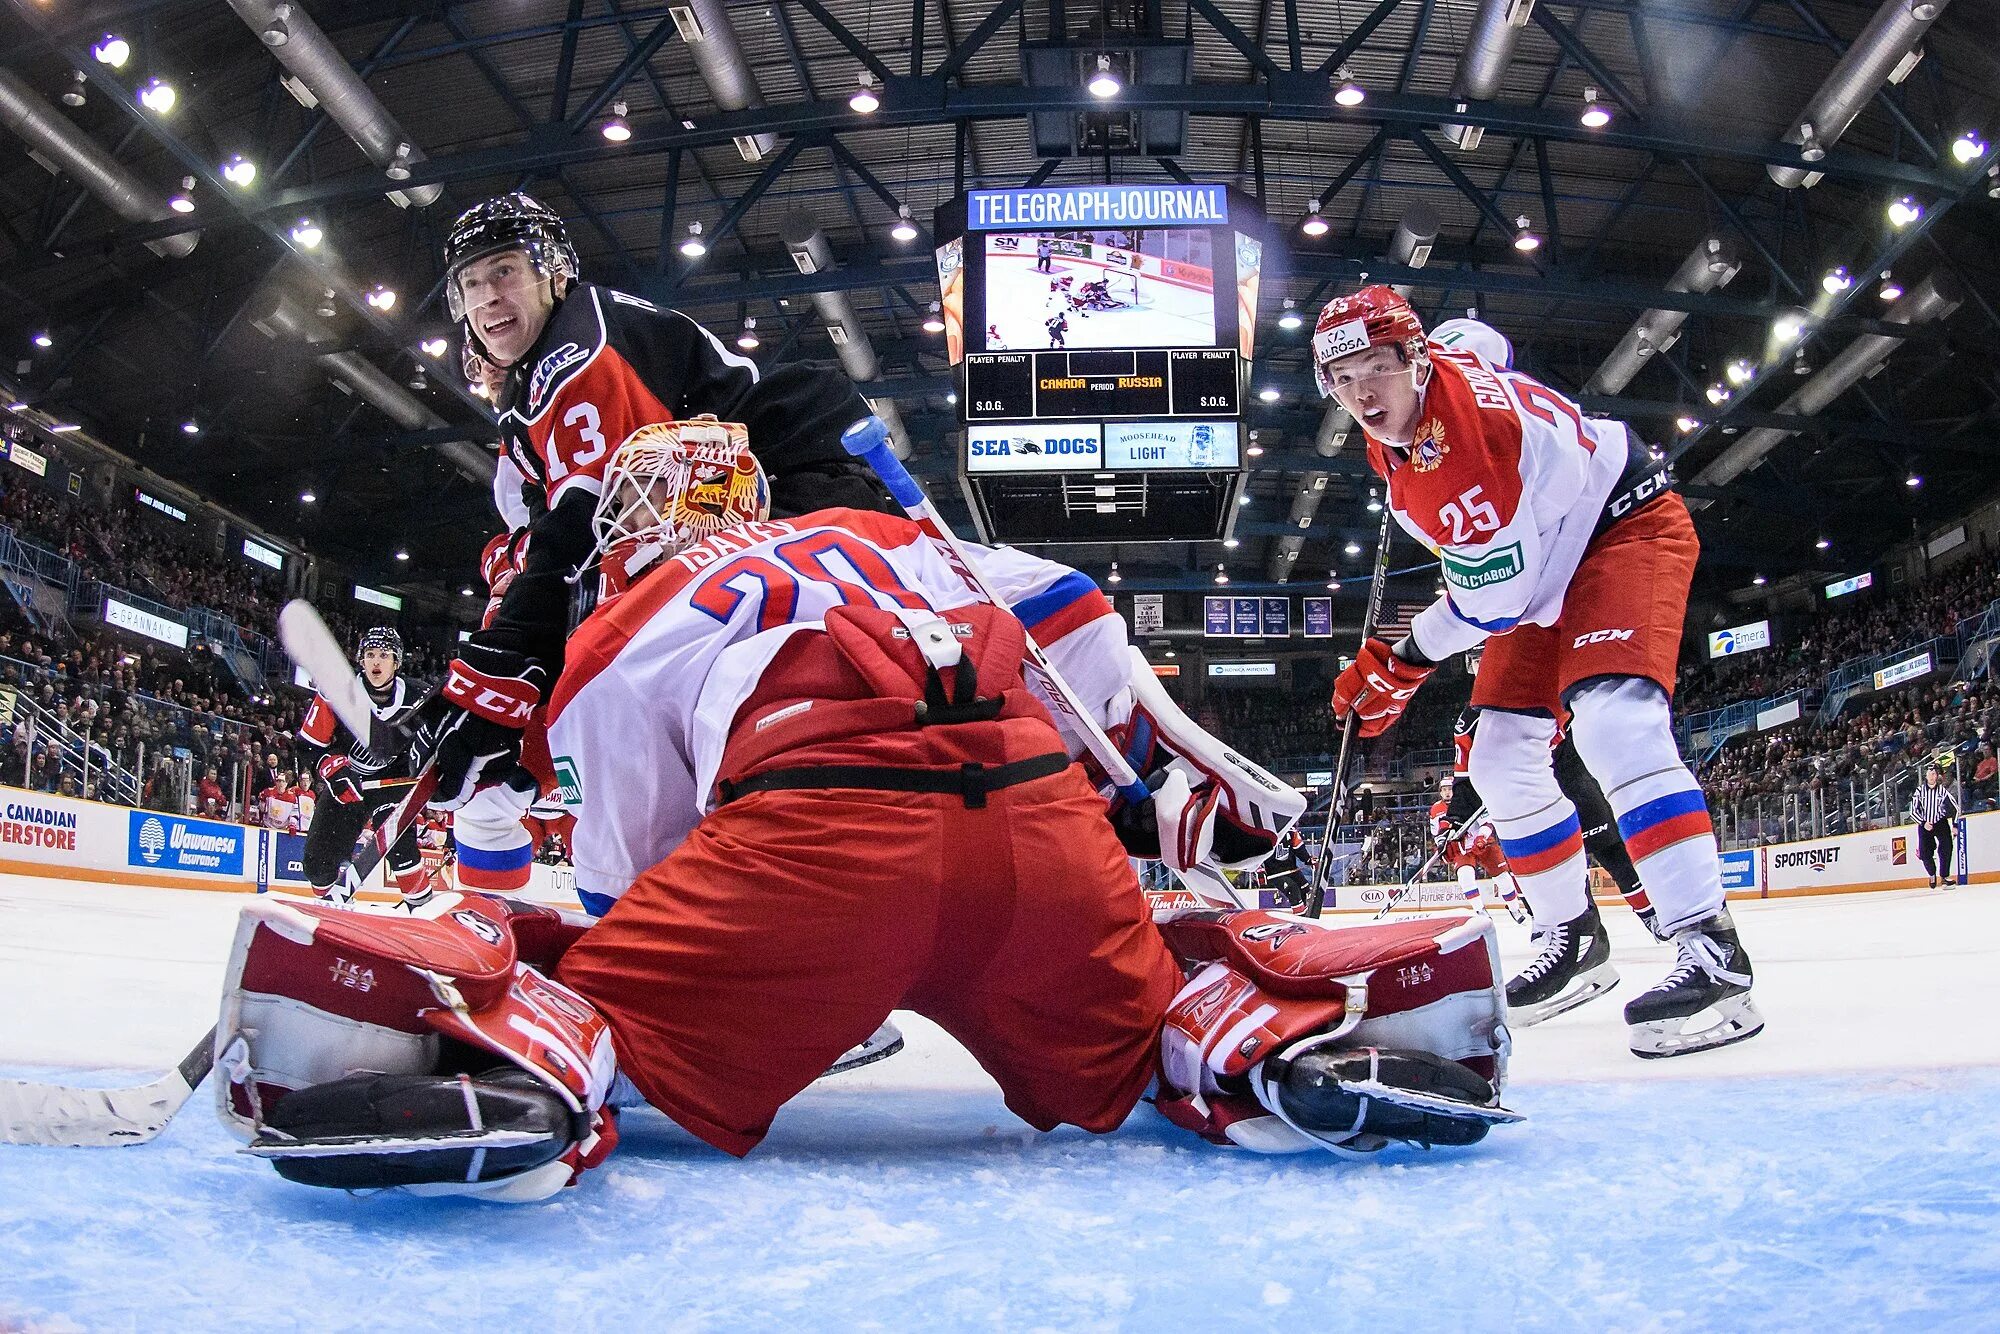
970,782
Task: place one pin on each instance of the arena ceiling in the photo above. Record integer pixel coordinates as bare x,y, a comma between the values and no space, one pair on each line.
1704,98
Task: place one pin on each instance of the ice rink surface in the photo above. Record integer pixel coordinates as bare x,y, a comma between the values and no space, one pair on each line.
1018,303
1841,1171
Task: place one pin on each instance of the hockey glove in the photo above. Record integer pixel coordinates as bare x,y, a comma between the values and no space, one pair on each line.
470,730
334,772
1377,687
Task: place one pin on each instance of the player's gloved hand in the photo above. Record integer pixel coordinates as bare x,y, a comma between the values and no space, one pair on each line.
1377,687
336,773
470,730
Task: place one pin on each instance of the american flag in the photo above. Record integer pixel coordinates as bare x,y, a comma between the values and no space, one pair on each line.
1396,618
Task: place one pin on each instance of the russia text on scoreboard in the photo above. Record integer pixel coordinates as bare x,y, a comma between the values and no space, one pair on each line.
1101,383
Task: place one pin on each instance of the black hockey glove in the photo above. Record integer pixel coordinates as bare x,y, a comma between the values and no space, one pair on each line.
470,730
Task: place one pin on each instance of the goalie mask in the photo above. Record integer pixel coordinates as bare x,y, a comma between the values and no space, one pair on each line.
669,486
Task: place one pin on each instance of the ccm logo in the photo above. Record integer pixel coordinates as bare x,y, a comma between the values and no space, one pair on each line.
1644,491
1601,637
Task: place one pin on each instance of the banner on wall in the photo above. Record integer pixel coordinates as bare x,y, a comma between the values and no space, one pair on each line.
1149,613
173,843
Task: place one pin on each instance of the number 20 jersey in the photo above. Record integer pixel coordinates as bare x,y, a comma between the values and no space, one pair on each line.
654,679
1505,481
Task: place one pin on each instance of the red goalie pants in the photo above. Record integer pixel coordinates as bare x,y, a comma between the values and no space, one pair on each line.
791,922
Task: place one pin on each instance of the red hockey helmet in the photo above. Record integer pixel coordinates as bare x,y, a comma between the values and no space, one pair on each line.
1375,316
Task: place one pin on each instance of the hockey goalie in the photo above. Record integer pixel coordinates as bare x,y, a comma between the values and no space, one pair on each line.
812,787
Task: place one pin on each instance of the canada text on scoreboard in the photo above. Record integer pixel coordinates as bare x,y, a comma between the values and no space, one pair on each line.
1102,383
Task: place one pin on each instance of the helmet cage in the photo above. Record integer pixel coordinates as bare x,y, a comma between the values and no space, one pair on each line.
671,485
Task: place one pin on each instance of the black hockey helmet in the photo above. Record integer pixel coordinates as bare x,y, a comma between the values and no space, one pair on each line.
382,637
513,221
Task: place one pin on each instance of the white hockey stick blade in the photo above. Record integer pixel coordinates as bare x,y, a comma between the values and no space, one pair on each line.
880,1045
98,1118
312,646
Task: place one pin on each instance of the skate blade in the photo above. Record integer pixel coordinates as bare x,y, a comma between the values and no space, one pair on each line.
1737,1019
1588,987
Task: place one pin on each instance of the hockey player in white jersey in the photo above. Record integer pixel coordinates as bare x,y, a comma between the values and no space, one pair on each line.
811,785
1563,549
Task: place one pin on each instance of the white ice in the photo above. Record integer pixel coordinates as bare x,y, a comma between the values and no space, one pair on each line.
1018,302
1841,1171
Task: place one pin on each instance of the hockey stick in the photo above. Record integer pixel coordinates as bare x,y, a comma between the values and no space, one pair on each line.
868,440
1337,808
1437,851
96,1118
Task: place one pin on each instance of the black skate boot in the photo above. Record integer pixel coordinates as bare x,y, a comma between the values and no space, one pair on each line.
1573,967
1711,979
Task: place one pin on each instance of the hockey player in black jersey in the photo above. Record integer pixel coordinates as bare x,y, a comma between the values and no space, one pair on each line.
585,367
355,784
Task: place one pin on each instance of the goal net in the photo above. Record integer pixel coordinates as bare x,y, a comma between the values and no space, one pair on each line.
1121,287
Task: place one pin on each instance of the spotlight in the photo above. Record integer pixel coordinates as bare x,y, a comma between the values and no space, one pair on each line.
112,50
615,129
1891,289
1114,577
1787,328
77,93
1740,372
157,97
1913,481
747,340
1352,548
1968,148
1595,114
1230,544
381,298
934,320
1821,545
1525,240
693,246
1104,84
1717,394
307,233
1810,147
904,230
1221,575
951,397
1904,211
863,99
1243,500
434,347
1686,424
1291,319
190,427
1314,225
183,200
1255,451
1333,585
1374,503
1350,93
1837,281
239,171
1268,394
402,555
43,340
307,497
467,593
1759,581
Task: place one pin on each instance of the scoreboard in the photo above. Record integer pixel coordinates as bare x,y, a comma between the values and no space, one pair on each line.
1102,384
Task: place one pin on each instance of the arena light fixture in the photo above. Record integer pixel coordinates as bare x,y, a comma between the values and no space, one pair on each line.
951,397
1352,548
1759,581
1231,543
1114,577
1686,424
1891,289
934,319
381,298
402,555
1221,575
863,99
748,340
112,50
1314,224
182,200
615,128
42,339
904,230
434,347
1255,451
1595,115
1104,83
1904,211
157,96
1913,481
1717,394
1291,319
1243,499
78,91
1787,328
1333,585
307,497
1740,372
1525,239
190,427
467,592
239,171
1968,148
64,428
1810,148
307,233
1349,93
1374,503
1837,281
692,245
1821,545
1268,394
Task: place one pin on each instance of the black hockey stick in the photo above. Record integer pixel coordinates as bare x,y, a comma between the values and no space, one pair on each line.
1336,809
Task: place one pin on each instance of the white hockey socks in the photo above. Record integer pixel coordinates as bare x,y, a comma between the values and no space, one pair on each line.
1537,824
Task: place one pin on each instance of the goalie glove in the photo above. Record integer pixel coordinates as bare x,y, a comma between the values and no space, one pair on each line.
1211,807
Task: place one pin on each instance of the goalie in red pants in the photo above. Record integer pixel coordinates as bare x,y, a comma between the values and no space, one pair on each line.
815,788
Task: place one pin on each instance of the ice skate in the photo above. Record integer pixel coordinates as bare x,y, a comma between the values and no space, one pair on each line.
1573,967
1704,1002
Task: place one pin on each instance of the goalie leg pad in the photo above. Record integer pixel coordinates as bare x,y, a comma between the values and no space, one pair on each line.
375,1132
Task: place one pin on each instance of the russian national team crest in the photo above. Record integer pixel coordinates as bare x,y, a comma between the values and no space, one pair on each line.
1429,448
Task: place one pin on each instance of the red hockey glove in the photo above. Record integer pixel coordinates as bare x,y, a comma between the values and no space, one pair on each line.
340,784
1377,687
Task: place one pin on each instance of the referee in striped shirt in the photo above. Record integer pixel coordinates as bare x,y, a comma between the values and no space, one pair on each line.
1934,810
